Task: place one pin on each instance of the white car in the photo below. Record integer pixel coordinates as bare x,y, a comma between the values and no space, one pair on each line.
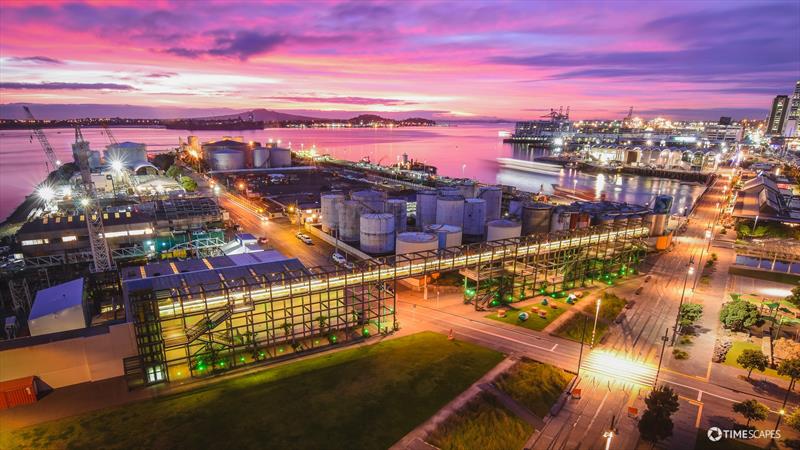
305,238
341,260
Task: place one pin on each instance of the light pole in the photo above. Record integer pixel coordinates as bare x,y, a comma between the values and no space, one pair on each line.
690,271
594,329
583,339
707,236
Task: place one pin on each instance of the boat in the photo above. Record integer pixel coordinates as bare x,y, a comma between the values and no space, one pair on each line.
529,166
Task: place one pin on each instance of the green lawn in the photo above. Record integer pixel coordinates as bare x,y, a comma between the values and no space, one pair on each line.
534,322
737,348
361,398
483,424
610,307
535,385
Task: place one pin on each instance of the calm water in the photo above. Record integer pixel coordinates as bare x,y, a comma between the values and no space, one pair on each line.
471,149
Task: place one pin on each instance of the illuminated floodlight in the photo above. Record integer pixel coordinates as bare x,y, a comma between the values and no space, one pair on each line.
46,193
59,163
619,368
84,202
117,165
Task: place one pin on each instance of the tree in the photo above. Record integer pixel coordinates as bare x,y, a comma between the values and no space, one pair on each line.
739,315
794,297
690,313
164,160
751,410
173,171
790,368
752,359
786,349
793,419
188,184
656,424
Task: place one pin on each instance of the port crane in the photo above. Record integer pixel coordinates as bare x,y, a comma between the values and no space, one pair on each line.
101,256
109,134
52,162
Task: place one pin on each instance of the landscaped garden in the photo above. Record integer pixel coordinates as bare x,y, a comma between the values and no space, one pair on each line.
361,398
483,423
610,307
538,315
534,385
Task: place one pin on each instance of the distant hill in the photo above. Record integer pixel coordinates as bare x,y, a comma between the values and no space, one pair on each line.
266,115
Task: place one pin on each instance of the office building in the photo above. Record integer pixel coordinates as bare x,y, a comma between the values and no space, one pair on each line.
777,115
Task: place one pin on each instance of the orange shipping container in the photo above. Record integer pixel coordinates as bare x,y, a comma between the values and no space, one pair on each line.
21,391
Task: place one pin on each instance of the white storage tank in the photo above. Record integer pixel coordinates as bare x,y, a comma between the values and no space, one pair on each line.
467,189
426,208
493,196
261,158
536,217
449,235
223,159
503,229
128,153
330,205
280,157
474,217
398,208
373,200
350,220
415,241
559,221
377,233
445,191
450,210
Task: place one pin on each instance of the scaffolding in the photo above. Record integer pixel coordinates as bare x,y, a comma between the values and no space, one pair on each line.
194,328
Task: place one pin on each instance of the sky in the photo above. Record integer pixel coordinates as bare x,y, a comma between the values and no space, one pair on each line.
462,60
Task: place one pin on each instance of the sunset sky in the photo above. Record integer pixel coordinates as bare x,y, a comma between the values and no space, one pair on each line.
468,59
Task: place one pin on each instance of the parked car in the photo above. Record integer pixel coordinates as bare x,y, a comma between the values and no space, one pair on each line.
305,238
630,304
338,258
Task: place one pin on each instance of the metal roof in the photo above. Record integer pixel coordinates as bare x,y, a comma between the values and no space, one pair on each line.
57,298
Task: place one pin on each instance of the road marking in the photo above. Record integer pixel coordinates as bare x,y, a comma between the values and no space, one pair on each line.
699,415
699,396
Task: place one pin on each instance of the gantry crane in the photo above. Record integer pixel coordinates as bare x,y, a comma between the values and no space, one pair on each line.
52,161
101,256
109,135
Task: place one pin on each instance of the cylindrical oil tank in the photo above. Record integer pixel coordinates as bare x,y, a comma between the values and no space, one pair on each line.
415,241
350,220
515,207
474,216
280,157
449,235
226,159
398,208
494,199
450,210
659,225
374,200
536,217
330,204
467,189
559,221
261,158
502,229
426,208
377,233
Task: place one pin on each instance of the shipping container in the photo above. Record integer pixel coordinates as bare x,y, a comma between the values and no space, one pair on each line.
21,391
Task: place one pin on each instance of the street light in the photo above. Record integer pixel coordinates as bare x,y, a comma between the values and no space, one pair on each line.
594,328
608,435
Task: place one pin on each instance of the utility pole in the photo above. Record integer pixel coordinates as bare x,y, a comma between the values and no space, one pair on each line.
583,339
664,340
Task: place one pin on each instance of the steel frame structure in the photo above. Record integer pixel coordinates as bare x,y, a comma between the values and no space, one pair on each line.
194,330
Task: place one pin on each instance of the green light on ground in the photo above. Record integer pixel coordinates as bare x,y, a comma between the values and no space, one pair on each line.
332,338
280,350
261,354
222,363
241,358
365,332
316,341
495,303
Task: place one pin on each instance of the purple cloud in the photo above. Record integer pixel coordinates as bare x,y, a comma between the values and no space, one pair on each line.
244,44
68,86
344,100
36,59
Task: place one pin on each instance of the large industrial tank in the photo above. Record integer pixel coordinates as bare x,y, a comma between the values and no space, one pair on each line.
377,233
261,158
414,241
663,204
515,207
223,159
280,157
426,208
494,199
445,191
560,219
536,217
350,220
450,210
449,235
398,208
127,153
579,220
474,217
331,204
373,200
502,229
467,189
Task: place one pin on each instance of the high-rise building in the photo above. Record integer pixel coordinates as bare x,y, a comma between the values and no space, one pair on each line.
790,129
777,116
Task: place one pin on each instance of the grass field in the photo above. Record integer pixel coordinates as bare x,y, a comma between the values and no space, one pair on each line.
534,322
360,398
535,385
610,307
737,348
482,424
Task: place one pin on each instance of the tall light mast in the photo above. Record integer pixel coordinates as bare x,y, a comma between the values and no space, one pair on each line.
101,256
52,161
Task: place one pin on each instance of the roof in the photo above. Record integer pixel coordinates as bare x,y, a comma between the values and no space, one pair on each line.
167,268
57,298
127,144
74,222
